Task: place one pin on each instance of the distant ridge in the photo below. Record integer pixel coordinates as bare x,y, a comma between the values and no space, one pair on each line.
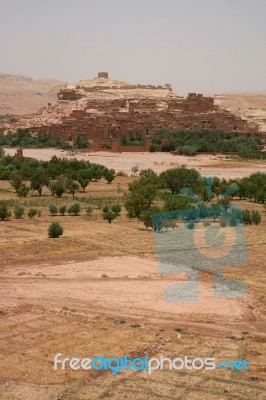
22,95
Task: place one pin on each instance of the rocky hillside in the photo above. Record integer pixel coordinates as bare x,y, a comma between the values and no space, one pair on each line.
22,95
249,106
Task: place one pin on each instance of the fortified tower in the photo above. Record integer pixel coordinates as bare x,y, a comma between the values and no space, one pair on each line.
103,75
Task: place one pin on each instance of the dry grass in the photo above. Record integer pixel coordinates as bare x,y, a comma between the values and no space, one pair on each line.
34,329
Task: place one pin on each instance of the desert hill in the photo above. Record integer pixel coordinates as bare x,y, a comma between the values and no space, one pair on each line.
22,95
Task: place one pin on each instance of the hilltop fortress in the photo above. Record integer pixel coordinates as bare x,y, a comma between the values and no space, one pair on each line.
102,109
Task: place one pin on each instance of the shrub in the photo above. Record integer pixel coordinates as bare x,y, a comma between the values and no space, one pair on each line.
18,211
62,210
53,209
233,220
121,173
169,223
153,148
206,223
191,225
4,212
55,230
23,190
32,213
74,209
255,217
89,210
246,217
223,222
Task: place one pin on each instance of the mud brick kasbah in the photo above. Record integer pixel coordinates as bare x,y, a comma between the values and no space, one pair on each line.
101,110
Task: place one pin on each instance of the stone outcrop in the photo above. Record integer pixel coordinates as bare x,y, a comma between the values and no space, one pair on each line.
103,108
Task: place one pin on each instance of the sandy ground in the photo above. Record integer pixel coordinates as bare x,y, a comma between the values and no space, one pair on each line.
114,306
206,164
126,285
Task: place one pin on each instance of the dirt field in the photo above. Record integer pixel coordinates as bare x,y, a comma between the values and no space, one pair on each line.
97,291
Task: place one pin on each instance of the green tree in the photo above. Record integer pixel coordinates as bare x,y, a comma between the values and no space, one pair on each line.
109,216
147,217
38,180
178,178
214,211
84,178
59,188
135,204
109,175
55,230
72,187
16,179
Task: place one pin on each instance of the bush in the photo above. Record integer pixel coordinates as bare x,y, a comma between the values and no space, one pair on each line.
121,173
153,148
4,212
53,209
246,217
255,217
23,190
74,209
89,210
206,223
223,222
18,211
55,230
62,210
233,220
191,225
32,213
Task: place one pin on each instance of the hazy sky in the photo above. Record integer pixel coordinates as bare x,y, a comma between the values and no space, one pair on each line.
205,46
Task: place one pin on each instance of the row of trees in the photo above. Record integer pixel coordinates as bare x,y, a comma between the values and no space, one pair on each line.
185,190
109,212
23,138
59,175
190,143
